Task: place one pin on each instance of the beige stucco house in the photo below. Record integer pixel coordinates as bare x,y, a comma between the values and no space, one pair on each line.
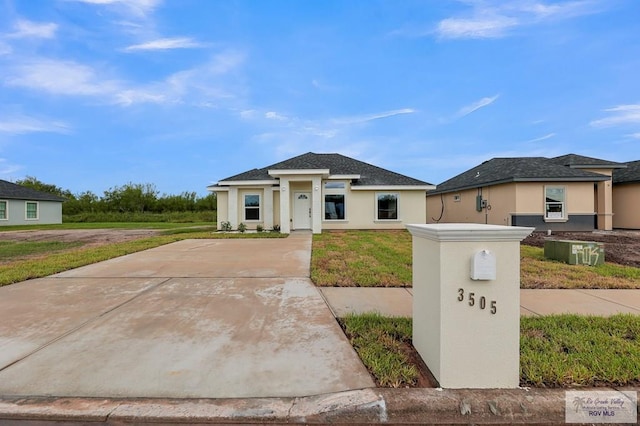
626,196
567,193
320,191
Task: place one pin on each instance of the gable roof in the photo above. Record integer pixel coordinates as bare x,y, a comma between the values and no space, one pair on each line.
12,191
629,175
581,162
336,164
519,169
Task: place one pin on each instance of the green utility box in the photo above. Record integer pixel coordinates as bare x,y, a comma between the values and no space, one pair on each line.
575,252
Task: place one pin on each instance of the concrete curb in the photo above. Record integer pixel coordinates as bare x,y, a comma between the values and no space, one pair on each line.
370,406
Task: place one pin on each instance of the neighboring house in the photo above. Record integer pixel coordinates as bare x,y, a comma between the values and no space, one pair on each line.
567,193
20,205
626,196
321,191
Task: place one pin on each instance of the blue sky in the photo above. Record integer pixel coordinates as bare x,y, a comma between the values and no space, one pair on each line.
182,93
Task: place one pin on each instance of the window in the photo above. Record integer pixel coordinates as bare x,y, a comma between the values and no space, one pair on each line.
32,210
554,204
334,200
252,207
387,206
3,210
456,198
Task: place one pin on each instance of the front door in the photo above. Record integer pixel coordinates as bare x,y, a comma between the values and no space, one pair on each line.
302,210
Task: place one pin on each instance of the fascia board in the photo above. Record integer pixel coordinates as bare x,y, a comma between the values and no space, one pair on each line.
343,177
293,172
392,187
248,182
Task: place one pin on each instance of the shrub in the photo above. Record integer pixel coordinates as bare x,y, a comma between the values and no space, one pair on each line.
242,227
259,228
225,226
276,228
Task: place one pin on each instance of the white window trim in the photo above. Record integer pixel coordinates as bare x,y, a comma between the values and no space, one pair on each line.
26,204
6,209
244,207
565,216
457,198
334,191
397,194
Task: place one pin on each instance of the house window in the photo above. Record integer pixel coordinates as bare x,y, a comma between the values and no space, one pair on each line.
252,207
456,198
3,210
387,206
31,210
554,204
334,200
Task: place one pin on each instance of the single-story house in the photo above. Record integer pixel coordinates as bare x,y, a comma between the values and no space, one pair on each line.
20,205
320,191
626,196
566,193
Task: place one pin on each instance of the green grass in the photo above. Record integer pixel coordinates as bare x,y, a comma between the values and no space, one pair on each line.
107,225
384,259
538,272
15,249
54,263
381,344
362,259
572,350
555,351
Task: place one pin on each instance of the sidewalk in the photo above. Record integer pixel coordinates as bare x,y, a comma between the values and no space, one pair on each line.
398,301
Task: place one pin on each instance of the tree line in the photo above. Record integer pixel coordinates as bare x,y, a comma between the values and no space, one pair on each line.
128,198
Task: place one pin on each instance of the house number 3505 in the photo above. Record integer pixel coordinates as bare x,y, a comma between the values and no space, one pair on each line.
480,301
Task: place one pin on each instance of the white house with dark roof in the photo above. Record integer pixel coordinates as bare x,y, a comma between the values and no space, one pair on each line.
321,191
20,205
566,193
626,196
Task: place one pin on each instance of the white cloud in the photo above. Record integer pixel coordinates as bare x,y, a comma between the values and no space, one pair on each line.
29,29
482,27
272,115
466,110
7,169
138,8
5,49
60,78
166,44
22,124
371,117
493,18
541,138
634,135
619,115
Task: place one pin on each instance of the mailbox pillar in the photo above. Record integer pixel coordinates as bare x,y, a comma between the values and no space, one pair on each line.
466,302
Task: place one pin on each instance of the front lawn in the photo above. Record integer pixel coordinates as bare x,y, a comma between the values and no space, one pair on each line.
384,259
555,351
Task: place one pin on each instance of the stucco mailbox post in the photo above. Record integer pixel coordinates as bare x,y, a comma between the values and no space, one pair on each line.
466,303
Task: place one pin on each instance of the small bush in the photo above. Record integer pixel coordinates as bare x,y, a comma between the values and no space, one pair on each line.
242,227
225,226
276,228
259,228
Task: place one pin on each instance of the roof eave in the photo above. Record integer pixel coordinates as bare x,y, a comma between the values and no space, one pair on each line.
513,180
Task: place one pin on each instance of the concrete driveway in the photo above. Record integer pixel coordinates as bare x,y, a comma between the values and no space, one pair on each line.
193,319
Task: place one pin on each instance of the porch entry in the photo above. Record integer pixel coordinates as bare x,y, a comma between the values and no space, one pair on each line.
302,210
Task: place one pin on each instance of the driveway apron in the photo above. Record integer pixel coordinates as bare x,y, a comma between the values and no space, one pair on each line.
193,319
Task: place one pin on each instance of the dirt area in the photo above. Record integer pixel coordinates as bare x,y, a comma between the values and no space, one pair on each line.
89,237
622,247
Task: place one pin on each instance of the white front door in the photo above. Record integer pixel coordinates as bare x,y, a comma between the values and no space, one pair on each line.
302,210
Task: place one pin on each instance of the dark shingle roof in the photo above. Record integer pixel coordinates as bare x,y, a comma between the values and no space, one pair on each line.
582,162
628,175
519,169
337,164
12,191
